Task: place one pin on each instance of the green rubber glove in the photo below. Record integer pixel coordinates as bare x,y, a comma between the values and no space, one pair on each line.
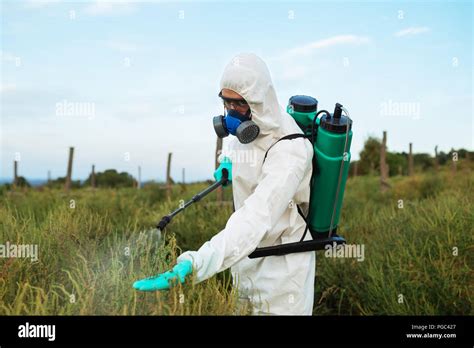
166,280
225,164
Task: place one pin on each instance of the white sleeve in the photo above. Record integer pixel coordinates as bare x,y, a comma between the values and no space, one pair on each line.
282,173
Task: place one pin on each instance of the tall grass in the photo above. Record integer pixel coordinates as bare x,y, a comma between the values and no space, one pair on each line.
418,249
94,244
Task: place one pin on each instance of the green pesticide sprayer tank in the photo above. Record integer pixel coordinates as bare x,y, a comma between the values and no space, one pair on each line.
331,136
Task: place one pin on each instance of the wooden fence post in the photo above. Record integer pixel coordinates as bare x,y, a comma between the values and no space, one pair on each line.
410,161
468,159
67,185
93,184
220,193
168,176
15,174
183,180
454,161
139,184
436,163
384,185
355,168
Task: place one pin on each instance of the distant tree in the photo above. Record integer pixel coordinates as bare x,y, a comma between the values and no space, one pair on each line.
59,183
22,182
395,161
423,160
447,157
111,178
369,161
462,153
443,157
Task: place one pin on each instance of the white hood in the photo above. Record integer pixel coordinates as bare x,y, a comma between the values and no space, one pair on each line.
248,75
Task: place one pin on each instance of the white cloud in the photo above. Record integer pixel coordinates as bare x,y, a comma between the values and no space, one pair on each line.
32,4
309,48
291,73
110,8
7,87
121,46
7,56
411,31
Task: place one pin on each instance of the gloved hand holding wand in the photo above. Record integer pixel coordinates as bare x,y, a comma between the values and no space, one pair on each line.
181,270
225,164
165,281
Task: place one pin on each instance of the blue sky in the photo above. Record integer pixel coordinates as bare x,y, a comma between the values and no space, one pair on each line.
150,72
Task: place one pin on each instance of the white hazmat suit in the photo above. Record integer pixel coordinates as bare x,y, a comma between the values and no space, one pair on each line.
265,197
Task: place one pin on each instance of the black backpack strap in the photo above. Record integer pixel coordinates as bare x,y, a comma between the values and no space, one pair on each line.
290,137
286,137
302,214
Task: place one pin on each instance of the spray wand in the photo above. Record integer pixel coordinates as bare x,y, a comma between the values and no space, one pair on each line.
165,220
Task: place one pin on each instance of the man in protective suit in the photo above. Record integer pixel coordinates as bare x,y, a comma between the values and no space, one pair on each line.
266,194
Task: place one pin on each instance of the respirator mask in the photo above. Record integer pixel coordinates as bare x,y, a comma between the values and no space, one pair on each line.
236,123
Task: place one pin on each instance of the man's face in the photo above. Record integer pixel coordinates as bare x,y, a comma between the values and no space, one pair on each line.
233,100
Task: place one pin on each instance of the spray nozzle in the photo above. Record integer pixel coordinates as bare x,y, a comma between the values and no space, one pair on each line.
337,111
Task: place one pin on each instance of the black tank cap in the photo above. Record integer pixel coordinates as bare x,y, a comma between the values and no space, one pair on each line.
303,103
337,123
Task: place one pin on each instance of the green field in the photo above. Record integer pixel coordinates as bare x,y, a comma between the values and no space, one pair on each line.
93,249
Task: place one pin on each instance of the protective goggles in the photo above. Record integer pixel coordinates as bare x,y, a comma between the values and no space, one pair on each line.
236,102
